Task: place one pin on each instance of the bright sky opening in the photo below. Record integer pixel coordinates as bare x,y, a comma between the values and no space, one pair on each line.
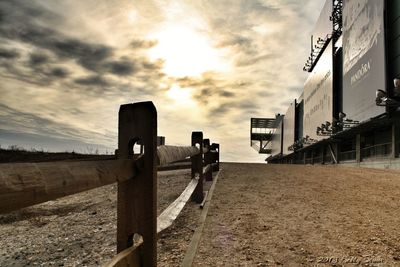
186,51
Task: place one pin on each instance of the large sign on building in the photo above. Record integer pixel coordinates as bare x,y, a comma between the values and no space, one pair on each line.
363,57
289,128
324,25
318,95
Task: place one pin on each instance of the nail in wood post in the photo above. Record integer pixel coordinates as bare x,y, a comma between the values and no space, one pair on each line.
197,166
208,159
215,146
137,197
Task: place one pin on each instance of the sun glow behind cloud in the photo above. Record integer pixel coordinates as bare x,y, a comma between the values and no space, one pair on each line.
186,51
181,96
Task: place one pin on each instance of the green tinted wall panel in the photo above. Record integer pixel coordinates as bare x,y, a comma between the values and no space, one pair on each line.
395,66
394,49
393,10
394,30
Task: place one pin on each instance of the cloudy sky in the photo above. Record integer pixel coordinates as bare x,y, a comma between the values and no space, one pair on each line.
210,65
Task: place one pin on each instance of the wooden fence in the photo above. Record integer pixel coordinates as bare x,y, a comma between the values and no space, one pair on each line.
26,184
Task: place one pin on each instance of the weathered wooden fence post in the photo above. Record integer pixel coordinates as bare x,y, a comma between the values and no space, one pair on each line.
208,159
215,147
197,166
137,197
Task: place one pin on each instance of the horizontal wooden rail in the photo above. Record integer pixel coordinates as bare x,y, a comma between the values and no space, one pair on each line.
128,257
168,154
26,184
206,169
168,216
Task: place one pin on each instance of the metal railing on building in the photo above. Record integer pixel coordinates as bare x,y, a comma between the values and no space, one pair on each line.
377,151
347,155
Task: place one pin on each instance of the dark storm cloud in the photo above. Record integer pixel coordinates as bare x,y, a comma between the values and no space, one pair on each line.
142,44
8,54
59,72
33,77
90,56
226,94
210,89
122,68
220,110
21,23
247,105
207,88
233,109
24,23
240,44
93,80
37,69
152,66
206,80
207,94
36,59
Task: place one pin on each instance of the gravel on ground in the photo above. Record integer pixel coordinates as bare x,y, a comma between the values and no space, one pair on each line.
80,230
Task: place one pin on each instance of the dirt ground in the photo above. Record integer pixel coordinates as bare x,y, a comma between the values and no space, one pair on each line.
80,230
280,215
260,215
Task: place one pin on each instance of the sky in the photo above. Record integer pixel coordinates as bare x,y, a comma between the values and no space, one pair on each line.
207,65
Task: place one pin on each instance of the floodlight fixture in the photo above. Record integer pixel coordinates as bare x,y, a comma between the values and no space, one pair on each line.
396,82
320,41
342,115
396,89
383,100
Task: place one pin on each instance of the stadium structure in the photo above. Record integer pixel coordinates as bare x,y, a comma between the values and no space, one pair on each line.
349,111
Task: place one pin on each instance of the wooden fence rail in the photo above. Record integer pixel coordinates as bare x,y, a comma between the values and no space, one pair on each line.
26,184
169,154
